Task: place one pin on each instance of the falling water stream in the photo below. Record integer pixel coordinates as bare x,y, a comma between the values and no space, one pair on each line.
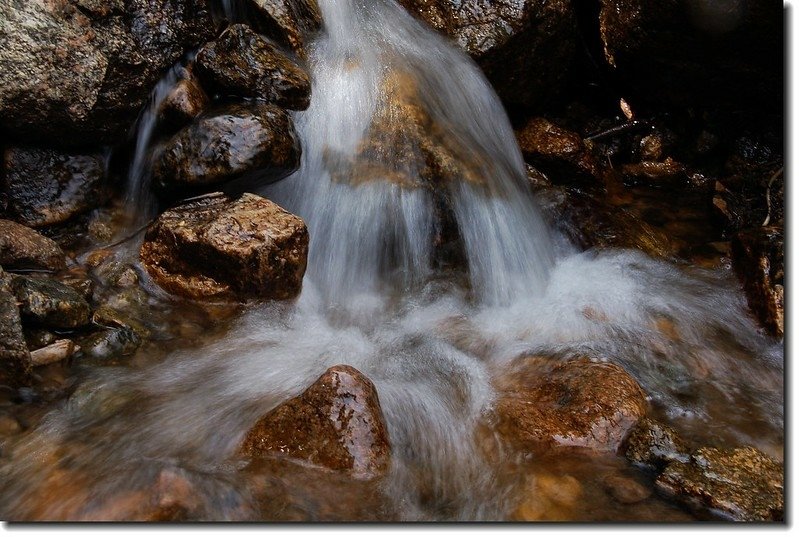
430,330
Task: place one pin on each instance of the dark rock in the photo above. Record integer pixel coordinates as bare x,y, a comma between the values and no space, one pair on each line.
15,364
336,423
525,47
290,22
560,154
49,302
109,345
243,63
742,483
651,443
46,187
36,338
759,260
184,102
544,402
653,173
74,71
23,248
78,279
213,246
228,143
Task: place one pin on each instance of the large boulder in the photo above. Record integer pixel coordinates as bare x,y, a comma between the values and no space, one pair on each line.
336,423
215,247
240,62
227,143
525,47
290,22
78,70
45,187
759,259
23,248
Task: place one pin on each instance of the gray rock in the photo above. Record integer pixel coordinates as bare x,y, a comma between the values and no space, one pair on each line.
651,443
49,302
15,362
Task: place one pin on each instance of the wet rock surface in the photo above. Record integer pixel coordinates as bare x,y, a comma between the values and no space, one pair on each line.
654,444
78,70
544,403
336,423
217,247
186,101
743,483
45,187
560,154
758,257
49,303
243,63
290,22
14,356
227,143
23,248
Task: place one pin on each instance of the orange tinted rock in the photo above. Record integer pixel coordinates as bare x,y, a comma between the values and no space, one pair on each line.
560,154
758,257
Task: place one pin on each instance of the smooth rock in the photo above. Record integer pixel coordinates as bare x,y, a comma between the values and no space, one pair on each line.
654,444
184,102
561,154
213,246
46,187
23,248
625,489
336,423
49,302
54,352
290,22
109,345
759,259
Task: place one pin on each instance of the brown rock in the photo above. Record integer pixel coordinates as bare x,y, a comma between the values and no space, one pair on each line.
549,497
758,258
653,444
213,246
655,173
560,154
185,101
290,22
22,247
625,489
742,483
15,361
241,62
336,423
49,302
544,402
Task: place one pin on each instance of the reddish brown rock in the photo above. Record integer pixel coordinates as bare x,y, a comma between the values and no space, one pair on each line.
186,101
22,247
291,22
560,154
758,258
216,247
544,402
336,423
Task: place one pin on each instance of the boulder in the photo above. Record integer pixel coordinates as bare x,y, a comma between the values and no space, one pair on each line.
759,259
743,483
544,402
228,143
525,47
78,70
561,154
44,187
49,302
654,444
15,360
216,247
240,62
185,101
290,22
337,423
23,248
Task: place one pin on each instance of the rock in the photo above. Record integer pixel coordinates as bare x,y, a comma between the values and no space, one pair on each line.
290,22
109,345
74,70
549,497
243,63
78,279
46,187
184,102
525,47
15,366
674,53
653,444
759,260
23,248
110,317
625,489
544,402
54,352
652,173
116,274
49,302
336,423
227,143
560,154
9,425
37,338
742,483
214,246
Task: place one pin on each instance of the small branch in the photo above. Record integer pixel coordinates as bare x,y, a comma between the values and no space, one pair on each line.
768,195
619,129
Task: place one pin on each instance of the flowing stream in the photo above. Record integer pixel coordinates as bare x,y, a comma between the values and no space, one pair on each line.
430,287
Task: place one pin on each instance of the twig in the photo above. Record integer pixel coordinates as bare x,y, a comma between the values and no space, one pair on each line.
633,125
768,195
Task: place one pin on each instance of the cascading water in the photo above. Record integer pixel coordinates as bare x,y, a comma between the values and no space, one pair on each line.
405,146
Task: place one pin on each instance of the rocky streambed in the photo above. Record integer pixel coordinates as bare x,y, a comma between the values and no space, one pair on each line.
281,283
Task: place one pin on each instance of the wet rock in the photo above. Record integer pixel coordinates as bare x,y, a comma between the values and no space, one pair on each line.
625,489
45,187
74,70
290,22
110,317
241,62
23,248
14,356
336,423
654,444
743,483
214,246
78,279
52,353
544,402
49,302
677,53
9,425
186,101
758,258
110,345
116,274
653,173
549,497
227,143
525,47
36,338
560,154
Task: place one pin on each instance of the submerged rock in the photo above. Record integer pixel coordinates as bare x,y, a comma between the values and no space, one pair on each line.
215,247
109,345
743,483
228,143
560,154
651,443
241,62
336,423
45,187
544,402
76,70
525,47
759,258
184,102
23,248
49,302
15,362
291,22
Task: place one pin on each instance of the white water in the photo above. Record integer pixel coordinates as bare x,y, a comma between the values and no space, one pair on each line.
373,298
